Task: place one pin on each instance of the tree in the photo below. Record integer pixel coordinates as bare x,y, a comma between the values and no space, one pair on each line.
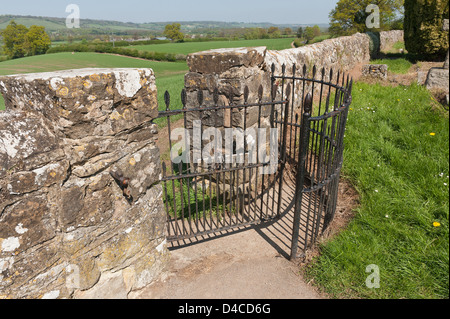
14,40
300,32
309,34
20,41
173,32
316,31
262,33
274,32
287,31
349,16
37,41
423,27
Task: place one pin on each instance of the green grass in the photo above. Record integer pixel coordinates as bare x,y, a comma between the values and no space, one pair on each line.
191,198
65,61
399,45
397,65
401,173
49,25
191,47
169,75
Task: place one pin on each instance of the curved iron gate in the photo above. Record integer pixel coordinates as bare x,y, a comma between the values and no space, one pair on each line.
307,112
316,147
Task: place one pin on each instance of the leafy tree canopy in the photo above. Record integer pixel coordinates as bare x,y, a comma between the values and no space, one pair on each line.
173,32
19,41
349,16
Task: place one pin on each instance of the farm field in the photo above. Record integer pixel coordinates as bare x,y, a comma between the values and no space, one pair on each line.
191,47
169,75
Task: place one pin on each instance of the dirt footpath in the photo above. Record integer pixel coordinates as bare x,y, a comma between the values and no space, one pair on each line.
250,263
244,265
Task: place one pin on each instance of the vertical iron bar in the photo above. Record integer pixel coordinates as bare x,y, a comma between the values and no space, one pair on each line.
301,170
260,96
292,109
166,198
180,169
283,152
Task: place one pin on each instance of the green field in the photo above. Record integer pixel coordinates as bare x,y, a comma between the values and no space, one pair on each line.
49,25
169,75
191,47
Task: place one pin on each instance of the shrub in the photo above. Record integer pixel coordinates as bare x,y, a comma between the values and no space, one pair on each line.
375,44
423,27
121,50
298,43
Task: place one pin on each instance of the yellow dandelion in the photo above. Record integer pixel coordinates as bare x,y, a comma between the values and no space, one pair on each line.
436,224
433,134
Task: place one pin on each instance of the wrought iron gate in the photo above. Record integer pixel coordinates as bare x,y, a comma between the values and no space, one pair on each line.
300,123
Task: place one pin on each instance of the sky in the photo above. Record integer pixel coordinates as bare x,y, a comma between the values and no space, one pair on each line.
139,11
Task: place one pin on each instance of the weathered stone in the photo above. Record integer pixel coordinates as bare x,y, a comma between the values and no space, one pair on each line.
25,224
27,142
64,221
388,38
26,273
438,78
221,60
110,286
376,71
85,102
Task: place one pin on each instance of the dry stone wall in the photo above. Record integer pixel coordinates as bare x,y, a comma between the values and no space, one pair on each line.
231,70
68,229
389,38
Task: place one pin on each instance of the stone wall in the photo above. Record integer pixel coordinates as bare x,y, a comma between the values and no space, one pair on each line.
389,38
231,70
68,229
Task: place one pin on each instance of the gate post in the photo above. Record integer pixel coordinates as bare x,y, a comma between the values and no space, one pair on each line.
301,170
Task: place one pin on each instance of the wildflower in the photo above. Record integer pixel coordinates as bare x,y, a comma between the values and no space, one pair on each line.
436,224
445,184
376,191
387,216
433,134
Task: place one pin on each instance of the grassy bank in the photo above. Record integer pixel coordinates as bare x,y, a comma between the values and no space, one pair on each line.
397,157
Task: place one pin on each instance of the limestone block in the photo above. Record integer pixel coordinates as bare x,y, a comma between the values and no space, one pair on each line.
27,142
65,224
221,60
438,78
85,102
377,71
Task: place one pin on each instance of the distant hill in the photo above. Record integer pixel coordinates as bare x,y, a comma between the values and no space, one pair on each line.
58,25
